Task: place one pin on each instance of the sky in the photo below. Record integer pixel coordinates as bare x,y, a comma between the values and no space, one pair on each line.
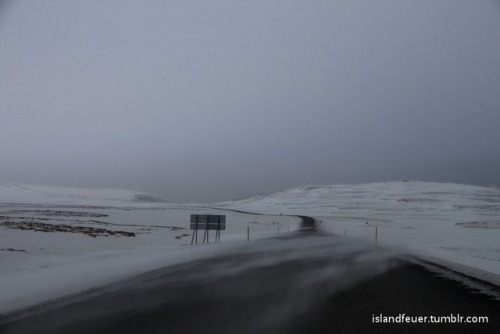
205,101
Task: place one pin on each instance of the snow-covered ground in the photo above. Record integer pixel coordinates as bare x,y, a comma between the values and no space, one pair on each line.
449,222
56,240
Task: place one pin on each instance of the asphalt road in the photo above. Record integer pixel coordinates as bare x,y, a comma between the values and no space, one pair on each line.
305,282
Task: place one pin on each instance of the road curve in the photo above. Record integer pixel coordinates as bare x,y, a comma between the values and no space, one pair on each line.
307,224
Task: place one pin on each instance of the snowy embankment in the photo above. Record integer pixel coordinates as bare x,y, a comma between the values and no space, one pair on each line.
448,223
56,241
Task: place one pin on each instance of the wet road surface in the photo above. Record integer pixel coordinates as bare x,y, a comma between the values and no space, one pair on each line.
300,283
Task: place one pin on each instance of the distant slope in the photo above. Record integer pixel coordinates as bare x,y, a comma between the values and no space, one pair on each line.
387,197
38,194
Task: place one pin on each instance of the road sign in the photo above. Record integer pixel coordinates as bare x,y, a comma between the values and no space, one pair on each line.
206,223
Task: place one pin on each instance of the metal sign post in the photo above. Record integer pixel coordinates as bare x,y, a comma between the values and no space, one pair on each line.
207,223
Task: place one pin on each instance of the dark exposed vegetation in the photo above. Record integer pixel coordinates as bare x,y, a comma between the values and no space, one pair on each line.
44,227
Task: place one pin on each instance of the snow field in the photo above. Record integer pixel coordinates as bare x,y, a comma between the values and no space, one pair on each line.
456,223
39,265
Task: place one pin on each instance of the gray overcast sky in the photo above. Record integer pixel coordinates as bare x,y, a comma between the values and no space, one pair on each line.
215,100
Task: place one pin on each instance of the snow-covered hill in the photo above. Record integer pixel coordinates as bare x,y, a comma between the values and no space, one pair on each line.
14,193
453,222
379,199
